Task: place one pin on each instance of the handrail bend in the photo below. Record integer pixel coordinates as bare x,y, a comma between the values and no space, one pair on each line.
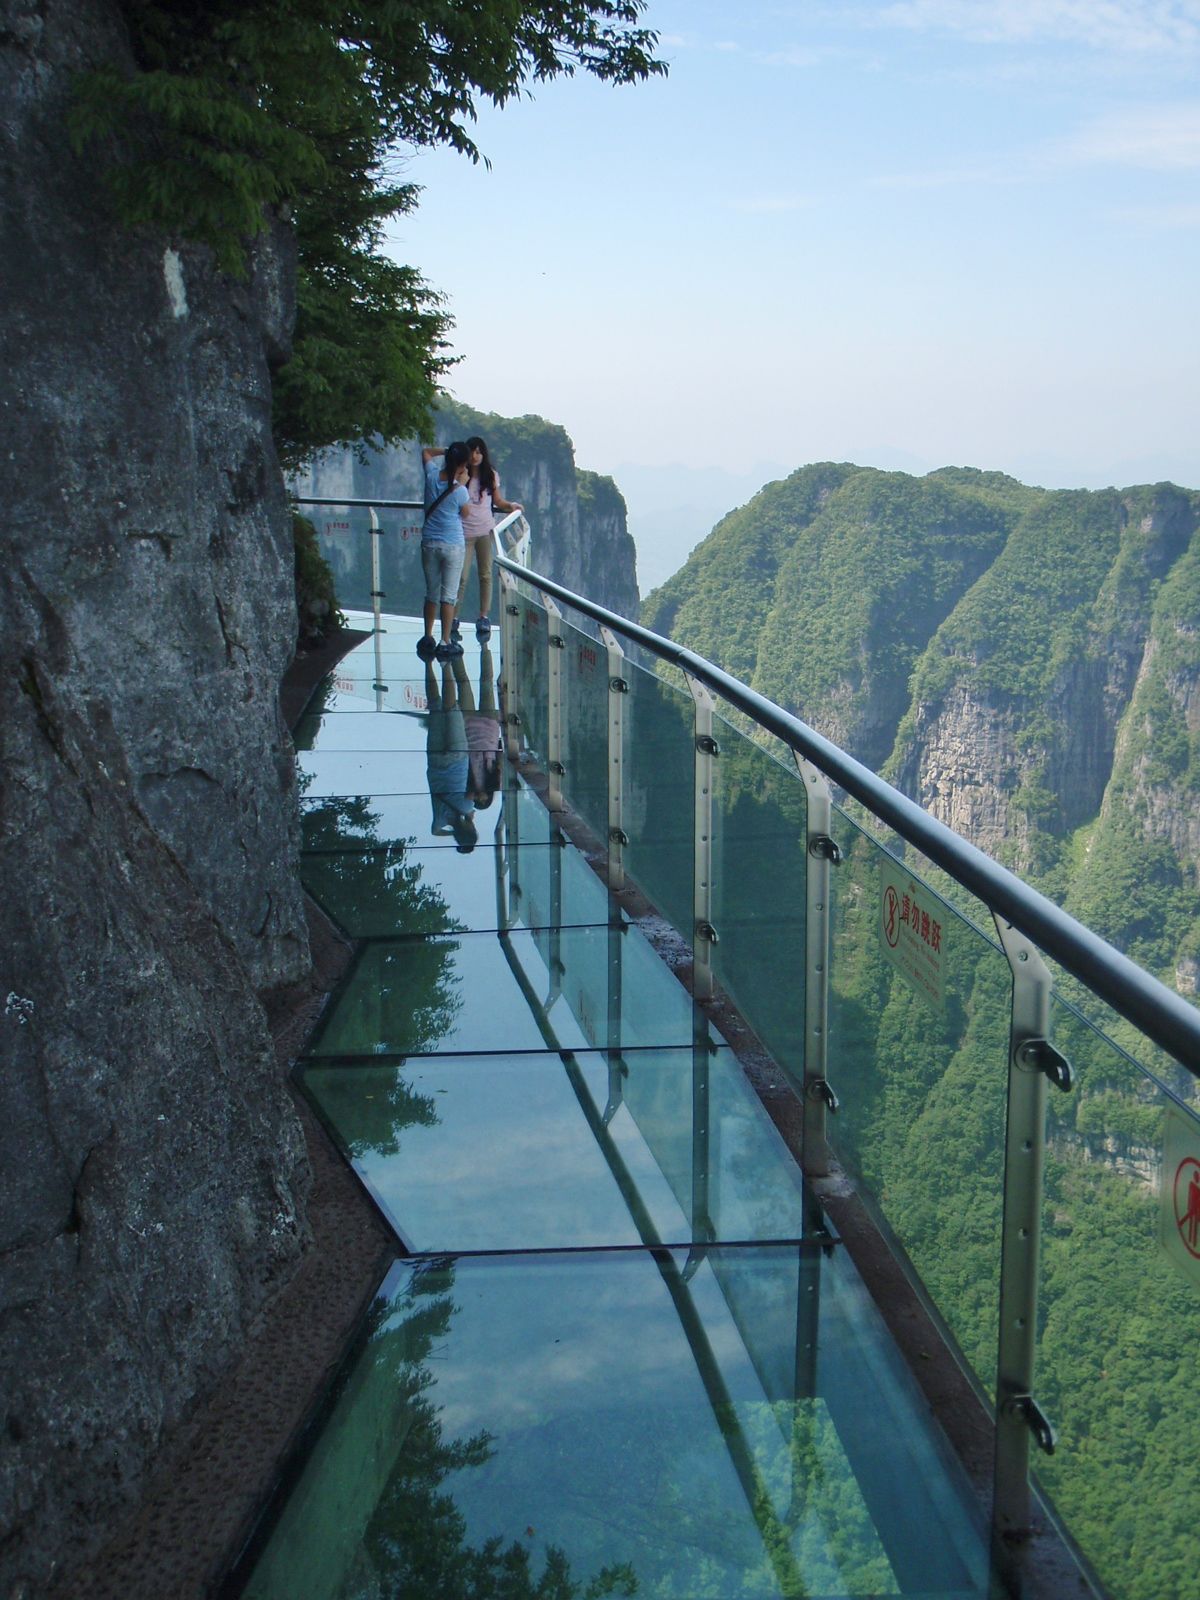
1160,1013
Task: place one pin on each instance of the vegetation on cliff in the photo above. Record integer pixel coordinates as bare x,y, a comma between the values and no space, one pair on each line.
1022,660
241,110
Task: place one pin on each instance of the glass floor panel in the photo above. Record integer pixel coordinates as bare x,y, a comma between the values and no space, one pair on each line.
550,1152
354,821
520,991
394,728
620,1424
394,889
347,772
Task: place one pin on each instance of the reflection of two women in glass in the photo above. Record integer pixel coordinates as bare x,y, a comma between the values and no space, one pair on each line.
463,746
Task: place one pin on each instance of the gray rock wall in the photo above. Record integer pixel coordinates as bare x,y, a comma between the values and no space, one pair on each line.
151,1169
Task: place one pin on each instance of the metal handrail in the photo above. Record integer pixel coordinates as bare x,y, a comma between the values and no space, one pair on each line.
1159,1012
379,505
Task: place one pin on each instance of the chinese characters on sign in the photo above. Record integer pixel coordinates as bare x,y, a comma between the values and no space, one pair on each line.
1179,1193
911,932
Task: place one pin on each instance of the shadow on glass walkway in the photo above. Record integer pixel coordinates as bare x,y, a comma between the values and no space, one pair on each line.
622,1353
625,1347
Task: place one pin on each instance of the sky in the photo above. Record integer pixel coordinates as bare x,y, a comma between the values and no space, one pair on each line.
904,234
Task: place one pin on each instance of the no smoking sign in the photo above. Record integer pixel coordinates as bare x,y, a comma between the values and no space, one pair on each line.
1179,1193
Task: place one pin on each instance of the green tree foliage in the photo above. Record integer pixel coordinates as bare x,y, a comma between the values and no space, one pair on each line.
240,110
316,603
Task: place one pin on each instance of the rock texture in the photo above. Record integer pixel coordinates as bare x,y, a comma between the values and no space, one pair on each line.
580,537
151,1170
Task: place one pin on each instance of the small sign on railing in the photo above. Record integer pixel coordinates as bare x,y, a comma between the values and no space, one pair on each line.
911,932
1179,1193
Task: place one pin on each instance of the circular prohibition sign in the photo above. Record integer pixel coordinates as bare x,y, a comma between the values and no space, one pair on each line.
891,917
1187,1204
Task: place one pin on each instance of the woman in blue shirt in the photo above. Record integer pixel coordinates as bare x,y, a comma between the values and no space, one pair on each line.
443,544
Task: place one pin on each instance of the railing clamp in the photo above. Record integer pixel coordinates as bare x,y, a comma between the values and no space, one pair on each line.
378,594
1027,1408
822,1089
825,848
557,640
513,611
705,930
557,768
1039,1055
619,685
381,688
707,745
514,719
618,836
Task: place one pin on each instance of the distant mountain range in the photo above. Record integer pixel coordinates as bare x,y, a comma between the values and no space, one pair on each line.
1024,662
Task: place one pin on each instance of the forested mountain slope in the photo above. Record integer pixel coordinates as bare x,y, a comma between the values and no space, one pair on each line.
1023,662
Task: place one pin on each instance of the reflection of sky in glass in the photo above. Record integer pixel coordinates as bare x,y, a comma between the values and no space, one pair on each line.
615,1434
508,1159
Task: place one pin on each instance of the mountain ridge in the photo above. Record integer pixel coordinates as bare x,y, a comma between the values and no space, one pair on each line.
1023,662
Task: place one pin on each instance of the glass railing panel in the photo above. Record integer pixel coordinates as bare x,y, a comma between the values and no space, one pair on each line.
659,805
547,886
919,1021
1116,1359
344,537
585,729
759,856
532,672
630,1448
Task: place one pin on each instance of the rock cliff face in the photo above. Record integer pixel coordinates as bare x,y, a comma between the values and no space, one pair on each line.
580,538
151,1168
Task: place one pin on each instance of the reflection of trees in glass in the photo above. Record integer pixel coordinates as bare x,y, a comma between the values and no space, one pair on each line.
415,1539
370,1107
367,886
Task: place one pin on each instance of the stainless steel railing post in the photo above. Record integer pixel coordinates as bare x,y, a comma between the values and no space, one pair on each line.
821,854
1032,1062
555,651
704,934
618,690
510,699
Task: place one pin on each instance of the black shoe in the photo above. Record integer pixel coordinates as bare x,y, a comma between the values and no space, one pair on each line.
483,628
426,648
448,649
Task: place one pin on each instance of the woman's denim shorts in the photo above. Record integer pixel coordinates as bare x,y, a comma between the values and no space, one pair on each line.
443,564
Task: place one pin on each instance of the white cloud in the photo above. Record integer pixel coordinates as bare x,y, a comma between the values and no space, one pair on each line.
1140,25
1155,138
757,205
1166,216
792,58
1164,138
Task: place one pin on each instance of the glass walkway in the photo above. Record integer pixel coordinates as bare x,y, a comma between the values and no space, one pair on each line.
611,908
620,1351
